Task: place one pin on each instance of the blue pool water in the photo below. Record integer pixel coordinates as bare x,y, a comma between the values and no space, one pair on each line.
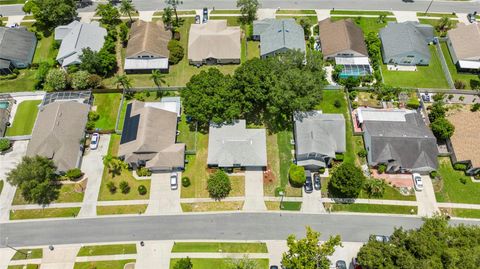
3,105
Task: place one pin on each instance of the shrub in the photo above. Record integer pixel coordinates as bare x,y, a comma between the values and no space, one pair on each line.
354,105
362,153
142,190
4,144
460,166
337,103
413,103
124,187
80,80
297,175
459,84
475,107
461,98
111,187
176,51
321,170
375,188
56,80
433,174
93,116
339,157
450,96
186,182
74,173
442,128
381,168
218,185
463,180
144,172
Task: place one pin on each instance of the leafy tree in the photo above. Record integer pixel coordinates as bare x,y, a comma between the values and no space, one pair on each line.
4,144
437,110
218,185
442,128
434,245
90,61
176,51
305,23
126,8
167,17
183,263
123,35
173,4
375,188
80,80
41,74
36,179
296,175
308,252
51,13
158,78
109,14
243,263
248,9
346,181
56,80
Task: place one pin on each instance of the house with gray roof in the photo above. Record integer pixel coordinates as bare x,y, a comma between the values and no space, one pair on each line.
318,137
406,43
17,47
77,36
58,132
233,145
400,141
277,36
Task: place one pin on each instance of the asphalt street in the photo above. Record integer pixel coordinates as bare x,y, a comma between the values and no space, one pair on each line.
229,226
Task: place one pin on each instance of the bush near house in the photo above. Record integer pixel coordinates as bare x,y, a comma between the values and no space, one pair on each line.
73,174
143,172
347,181
142,190
381,168
177,52
460,166
297,175
433,174
186,182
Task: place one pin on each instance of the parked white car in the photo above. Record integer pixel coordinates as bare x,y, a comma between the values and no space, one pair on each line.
94,141
174,181
417,181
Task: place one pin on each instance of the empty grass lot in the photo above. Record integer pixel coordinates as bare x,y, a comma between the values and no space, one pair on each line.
226,247
196,170
217,263
187,133
451,189
35,253
24,119
285,160
366,24
120,264
212,206
288,206
370,208
360,12
434,22
67,195
470,80
430,76
107,250
44,213
121,209
107,105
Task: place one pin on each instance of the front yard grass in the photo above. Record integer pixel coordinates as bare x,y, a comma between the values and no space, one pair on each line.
311,19
286,11
32,253
225,11
434,22
119,264
24,119
231,20
107,105
67,195
121,209
224,247
430,76
449,189
69,212
187,133
285,156
196,170
26,266
360,12
439,15
371,208
209,263
365,23
45,50
469,79
288,206
463,212
107,250
212,206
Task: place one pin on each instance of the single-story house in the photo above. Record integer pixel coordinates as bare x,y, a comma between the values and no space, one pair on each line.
214,43
406,43
398,139
58,133
343,42
149,138
233,145
77,36
318,137
277,36
464,46
17,47
147,47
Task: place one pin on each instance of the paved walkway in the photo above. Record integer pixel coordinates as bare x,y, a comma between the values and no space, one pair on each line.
92,166
454,205
276,248
427,203
254,201
162,198
218,255
206,200
14,19
86,16
322,14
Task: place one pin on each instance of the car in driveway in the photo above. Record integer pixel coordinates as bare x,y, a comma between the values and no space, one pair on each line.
417,182
308,186
94,141
340,264
205,15
174,181
316,182
197,19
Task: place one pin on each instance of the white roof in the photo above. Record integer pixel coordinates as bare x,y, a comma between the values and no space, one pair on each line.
371,114
146,64
352,60
469,64
171,104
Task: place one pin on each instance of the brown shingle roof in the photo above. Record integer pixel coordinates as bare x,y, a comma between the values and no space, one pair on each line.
150,38
340,36
466,41
466,138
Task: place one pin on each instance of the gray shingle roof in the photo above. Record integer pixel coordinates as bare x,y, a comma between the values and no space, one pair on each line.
17,44
406,37
279,34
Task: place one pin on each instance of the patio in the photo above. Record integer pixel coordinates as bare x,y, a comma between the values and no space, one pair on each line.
397,180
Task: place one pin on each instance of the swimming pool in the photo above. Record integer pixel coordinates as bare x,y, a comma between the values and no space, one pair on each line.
3,105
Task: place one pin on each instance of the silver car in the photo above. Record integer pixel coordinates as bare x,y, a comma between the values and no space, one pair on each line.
417,182
174,181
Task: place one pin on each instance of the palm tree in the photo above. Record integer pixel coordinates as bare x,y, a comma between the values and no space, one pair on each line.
126,8
124,81
443,25
158,78
174,4
167,17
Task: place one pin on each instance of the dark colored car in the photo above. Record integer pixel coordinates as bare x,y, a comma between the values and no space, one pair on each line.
205,14
316,182
380,238
273,267
340,264
308,186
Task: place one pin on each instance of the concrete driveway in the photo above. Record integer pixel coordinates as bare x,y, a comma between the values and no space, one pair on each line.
348,251
427,203
254,201
162,198
312,202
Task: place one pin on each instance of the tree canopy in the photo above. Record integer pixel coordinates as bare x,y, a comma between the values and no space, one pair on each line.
442,128
218,185
346,181
51,13
248,9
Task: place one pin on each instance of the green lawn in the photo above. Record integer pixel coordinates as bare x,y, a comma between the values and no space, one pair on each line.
225,11
67,195
212,206
121,209
452,190
370,208
286,11
312,19
360,12
24,82
107,105
288,206
24,119
1,186
253,49
430,76
391,193
470,80
29,266
187,133
107,250
11,2
216,263
439,15
44,213
466,213
231,20
434,22
119,264
226,247
285,159
45,50
35,253
366,24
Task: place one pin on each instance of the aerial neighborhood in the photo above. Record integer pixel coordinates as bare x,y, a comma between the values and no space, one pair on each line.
201,138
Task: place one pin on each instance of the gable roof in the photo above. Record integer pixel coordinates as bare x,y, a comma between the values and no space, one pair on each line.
213,40
149,38
279,34
17,44
149,134
234,144
406,37
316,132
59,128
465,41
341,35
77,36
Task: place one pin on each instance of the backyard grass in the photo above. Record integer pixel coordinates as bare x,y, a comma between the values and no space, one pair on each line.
253,49
32,253
24,119
285,159
67,195
107,105
206,263
196,170
368,99
286,11
119,264
45,50
360,12
288,206
371,208
225,11
451,190
212,206
107,250
430,76
273,166
470,80
463,212
121,209
231,20
126,175
439,15
23,83
187,133
44,213
366,24
225,247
